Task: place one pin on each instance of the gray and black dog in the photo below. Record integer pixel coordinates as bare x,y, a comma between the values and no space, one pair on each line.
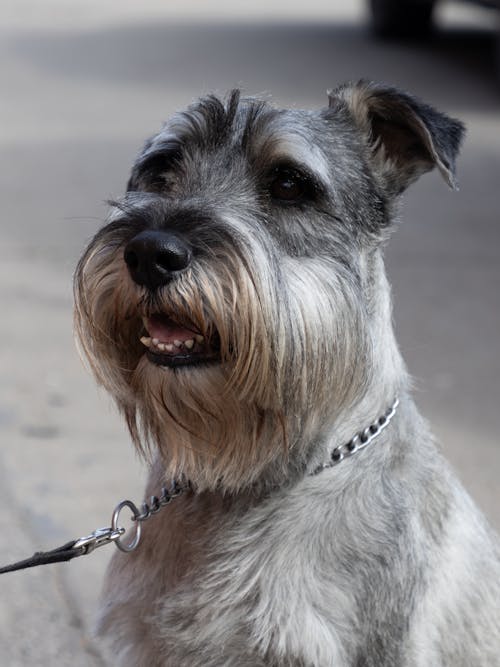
237,309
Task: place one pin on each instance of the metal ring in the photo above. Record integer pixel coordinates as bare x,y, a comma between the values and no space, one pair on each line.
114,525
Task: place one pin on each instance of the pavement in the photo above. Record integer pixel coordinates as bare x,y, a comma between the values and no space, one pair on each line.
83,84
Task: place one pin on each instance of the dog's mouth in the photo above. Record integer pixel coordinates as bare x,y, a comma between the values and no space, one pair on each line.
172,344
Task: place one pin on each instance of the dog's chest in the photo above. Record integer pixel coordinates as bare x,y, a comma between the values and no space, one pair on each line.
254,585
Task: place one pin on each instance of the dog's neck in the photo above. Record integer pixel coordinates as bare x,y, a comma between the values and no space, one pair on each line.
332,452
360,440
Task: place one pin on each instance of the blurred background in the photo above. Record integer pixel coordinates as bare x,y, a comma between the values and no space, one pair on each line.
83,83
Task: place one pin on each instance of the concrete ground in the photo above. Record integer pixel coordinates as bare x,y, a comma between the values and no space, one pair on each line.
83,83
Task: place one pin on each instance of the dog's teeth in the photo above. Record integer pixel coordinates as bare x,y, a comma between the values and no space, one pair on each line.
161,346
145,340
177,343
169,348
189,343
199,338
156,341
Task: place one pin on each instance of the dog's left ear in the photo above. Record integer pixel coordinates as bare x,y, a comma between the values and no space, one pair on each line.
406,137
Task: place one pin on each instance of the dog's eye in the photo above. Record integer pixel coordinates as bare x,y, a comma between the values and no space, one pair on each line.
288,186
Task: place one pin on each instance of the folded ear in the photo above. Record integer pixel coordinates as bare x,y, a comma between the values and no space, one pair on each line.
405,136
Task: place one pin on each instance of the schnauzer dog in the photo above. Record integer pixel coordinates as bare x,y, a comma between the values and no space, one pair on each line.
237,309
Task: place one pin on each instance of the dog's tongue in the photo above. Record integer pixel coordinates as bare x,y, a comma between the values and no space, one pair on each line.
165,330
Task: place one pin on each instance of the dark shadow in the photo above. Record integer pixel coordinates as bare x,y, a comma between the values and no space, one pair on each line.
455,68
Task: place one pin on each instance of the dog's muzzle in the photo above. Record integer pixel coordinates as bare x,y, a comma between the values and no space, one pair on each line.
154,258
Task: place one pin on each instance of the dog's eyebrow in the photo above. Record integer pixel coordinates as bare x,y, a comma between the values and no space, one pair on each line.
159,156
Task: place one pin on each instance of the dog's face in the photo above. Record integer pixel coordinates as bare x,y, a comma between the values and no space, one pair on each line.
229,305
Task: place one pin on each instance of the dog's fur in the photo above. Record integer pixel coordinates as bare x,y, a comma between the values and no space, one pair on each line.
380,561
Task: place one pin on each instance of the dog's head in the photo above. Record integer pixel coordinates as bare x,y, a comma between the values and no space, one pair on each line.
235,302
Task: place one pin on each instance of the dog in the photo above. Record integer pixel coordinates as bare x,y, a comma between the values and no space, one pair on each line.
236,307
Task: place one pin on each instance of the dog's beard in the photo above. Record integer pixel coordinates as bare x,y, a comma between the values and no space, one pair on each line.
285,361
202,427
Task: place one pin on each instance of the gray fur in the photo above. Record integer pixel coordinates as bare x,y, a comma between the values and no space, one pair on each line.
381,561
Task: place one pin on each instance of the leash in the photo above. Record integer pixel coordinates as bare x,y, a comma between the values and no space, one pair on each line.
102,536
116,534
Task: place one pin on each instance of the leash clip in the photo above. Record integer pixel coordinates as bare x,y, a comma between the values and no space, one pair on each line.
98,538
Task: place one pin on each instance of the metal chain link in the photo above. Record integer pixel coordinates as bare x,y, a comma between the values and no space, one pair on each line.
117,534
360,440
147,511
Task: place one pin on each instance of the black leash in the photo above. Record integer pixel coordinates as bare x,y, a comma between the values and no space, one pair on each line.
80,547
59,555
102,536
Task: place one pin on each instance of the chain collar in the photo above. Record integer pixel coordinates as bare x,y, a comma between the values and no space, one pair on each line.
361,440
129,540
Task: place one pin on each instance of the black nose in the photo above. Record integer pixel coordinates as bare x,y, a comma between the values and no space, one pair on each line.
153,257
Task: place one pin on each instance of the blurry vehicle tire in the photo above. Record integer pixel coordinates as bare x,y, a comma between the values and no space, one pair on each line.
401,18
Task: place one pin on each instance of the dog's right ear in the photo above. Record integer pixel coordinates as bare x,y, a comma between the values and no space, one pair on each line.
406,137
